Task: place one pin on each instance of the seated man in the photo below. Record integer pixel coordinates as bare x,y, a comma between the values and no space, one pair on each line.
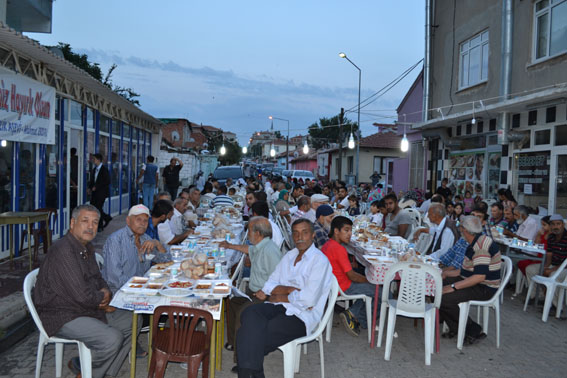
454,256
398,222
511,224
478,212
297,292
528,226
556,253
325,215
264,256
125,251
303,206
444,231
317,200
349,281
159,214
478,279
221,199
169,233
497,211
72,298
260,209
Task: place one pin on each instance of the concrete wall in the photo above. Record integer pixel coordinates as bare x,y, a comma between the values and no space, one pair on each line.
191,165
366,161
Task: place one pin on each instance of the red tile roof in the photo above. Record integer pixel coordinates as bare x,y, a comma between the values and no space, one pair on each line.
381,140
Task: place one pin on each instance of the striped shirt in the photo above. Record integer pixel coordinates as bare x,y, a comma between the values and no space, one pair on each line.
483,257
558,249
121,260
321,235
221,200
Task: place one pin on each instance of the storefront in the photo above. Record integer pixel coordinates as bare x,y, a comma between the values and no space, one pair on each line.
46,160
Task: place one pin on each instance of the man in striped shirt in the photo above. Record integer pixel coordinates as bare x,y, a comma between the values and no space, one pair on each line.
478,279
221,199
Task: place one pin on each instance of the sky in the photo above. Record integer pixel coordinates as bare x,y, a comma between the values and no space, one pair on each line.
231,64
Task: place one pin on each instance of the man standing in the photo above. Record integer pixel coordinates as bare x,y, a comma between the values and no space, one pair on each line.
349,281
72,298
398,222
264,256
100,189
150,173
297,292
478,279
171,176
375,177
126,250
324,214
443,189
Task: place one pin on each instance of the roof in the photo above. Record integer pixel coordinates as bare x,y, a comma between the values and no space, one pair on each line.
312,155
409,92
381,140
71,80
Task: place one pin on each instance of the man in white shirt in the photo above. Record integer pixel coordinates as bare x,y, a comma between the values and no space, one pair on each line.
529,224
260,208
177,223
297,292
443,231
342,201
303,206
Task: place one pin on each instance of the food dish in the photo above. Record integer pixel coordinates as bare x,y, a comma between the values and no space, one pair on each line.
180,284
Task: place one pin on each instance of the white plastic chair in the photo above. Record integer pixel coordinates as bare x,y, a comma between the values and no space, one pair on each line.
551,283
292,350
410,302
493,302
99,260
424,242
345,297
44,339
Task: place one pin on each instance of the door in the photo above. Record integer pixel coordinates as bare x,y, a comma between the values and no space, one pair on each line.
388,169
73,176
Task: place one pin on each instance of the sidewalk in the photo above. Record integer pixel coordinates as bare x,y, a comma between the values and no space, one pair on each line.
528,348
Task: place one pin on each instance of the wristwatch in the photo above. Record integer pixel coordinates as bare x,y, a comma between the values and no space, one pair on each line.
453,286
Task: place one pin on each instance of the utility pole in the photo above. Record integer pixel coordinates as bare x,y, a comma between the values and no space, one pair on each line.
341,120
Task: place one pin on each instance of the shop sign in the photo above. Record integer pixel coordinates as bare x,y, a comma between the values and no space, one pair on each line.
532,170
27,109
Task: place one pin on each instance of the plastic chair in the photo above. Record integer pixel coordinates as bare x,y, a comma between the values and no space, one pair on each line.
410,302
424,242
178,341
551,283
345,297
44,339
99,260
493,302
292,350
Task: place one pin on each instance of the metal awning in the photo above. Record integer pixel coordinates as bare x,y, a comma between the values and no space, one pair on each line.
26,56
542,98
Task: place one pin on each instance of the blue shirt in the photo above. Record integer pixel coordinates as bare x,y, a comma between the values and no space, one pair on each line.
121,261
455,255
150,174
152,231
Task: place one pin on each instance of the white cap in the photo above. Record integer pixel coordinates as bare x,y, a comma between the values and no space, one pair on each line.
139,209
319,198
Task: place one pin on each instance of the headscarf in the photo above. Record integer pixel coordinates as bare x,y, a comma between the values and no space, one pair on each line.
283,192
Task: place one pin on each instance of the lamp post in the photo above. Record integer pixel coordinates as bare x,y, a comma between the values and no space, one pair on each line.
286,141
343,55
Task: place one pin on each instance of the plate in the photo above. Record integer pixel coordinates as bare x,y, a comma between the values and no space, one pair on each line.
175,293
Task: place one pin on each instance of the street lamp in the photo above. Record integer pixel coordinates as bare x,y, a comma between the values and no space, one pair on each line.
244,150
305,148
344,56
286,141
351,141
272,151
223,150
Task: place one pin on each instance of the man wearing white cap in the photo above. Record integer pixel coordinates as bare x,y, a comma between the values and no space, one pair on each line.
556,253
316,201
129,251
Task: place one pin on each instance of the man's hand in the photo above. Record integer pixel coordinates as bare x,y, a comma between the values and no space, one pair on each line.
225,244
448,289
508,233
260,295
94,189
282,289
106,298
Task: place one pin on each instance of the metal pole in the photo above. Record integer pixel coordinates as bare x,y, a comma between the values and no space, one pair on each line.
287,148
358,132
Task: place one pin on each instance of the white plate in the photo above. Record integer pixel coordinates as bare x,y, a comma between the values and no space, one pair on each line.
175,292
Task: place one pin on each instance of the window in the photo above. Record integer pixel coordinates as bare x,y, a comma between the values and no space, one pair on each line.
416,165
550,27
473,60
350,165
542,137
377,165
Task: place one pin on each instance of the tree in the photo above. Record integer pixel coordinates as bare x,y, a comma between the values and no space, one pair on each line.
127,93
256,150
233,153
327,131
278,134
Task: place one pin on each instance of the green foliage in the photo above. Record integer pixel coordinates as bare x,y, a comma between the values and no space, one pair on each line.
278,134
256,150
80,60
326,131
127,93
215,141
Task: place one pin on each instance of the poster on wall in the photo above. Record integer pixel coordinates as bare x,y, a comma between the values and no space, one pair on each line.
466,173
27,109
493,174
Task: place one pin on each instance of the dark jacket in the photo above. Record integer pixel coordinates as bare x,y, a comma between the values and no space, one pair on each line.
68,285
102,183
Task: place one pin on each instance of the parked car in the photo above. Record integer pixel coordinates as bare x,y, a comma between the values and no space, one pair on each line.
231,171
277,172
299,174
286,174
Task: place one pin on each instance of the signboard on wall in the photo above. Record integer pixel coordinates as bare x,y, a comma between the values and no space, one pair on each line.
466,173
27,109
532,172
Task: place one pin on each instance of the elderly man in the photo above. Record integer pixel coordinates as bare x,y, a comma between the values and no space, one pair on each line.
556,253
478,279
170,233
177,222
297,292
511,224
350,282
127,252
303,206
444,231
527,226
71,298
325,215
264,256
194,199
316,201
398,222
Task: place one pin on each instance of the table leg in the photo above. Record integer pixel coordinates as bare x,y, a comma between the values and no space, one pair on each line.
437,331
29,246
220,343
376,299
150,335
134,341
212,357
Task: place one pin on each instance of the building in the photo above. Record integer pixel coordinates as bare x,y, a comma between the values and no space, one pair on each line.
410,169
377,152
46,148
495,90
305,162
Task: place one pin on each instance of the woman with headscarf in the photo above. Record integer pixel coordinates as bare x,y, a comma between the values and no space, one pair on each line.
282,204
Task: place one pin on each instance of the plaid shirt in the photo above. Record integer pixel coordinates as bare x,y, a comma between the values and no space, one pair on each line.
321,235
455,255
